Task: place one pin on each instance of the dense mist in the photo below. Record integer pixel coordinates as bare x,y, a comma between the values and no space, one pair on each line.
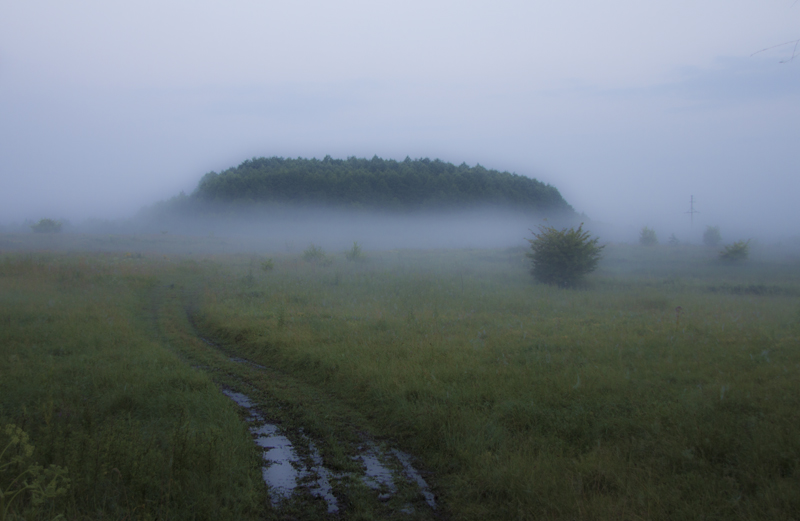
294,228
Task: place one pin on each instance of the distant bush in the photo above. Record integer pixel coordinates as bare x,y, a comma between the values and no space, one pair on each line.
673,240
355,253
647,237
712,237
268,265
317,255
46,226
562,257
737,251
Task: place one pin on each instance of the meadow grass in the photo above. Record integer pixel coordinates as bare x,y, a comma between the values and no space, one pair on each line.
654,391
85,374
664,387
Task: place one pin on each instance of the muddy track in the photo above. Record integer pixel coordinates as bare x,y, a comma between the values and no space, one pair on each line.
319,460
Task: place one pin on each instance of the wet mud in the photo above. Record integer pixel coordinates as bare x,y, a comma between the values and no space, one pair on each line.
283,469
286,472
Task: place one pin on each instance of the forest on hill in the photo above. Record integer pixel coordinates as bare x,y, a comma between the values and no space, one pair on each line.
373,184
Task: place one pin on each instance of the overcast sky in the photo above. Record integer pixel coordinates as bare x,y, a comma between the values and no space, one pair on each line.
627,107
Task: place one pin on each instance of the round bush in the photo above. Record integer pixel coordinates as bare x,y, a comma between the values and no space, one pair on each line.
562,257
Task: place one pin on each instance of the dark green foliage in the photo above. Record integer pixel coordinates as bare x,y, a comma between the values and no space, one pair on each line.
563,257
712,237
46,226
376,184
647,237
737,251
268,265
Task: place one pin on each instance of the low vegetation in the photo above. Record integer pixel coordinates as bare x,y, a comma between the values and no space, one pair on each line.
664,388
267,265
316,255
46,226
738,251
99,414
28,481
642,396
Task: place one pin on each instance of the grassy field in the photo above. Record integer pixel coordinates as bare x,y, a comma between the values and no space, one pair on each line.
666,387
133,432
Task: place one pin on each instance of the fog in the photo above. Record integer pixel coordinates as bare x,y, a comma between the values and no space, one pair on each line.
293,229
628,109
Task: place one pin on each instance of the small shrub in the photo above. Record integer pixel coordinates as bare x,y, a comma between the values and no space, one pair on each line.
737,251
46,226
317,255
647,237
562,257
268,265
712,237
355,253
673,240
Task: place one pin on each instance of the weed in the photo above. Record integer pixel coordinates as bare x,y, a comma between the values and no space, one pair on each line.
38,483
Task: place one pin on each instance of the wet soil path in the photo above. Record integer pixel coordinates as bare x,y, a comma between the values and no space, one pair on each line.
319,459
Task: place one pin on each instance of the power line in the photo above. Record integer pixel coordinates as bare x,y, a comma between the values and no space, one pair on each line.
692,211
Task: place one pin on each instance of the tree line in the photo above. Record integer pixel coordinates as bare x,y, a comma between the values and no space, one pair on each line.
375,184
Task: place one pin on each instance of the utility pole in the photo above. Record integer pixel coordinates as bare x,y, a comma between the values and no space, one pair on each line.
691,211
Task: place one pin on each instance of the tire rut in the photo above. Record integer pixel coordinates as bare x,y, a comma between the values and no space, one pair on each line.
308,472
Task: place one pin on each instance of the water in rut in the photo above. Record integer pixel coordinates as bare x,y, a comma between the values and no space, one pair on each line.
284,470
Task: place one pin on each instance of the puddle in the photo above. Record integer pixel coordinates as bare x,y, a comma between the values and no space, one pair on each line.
284,470
280,474
241,399
379,477
322,487
376,475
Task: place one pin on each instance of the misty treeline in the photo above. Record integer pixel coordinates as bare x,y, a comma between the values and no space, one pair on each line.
372,184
